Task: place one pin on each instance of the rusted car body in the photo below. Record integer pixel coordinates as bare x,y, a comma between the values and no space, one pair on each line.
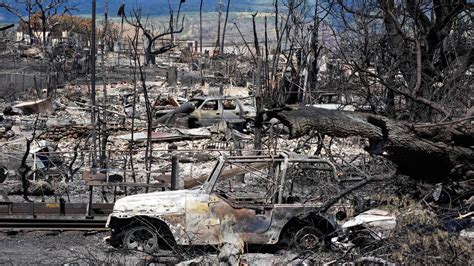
265,200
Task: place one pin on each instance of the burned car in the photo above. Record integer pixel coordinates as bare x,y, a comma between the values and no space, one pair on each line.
263,199
213,110
208,110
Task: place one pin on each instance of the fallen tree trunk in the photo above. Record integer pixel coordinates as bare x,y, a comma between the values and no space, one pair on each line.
430,152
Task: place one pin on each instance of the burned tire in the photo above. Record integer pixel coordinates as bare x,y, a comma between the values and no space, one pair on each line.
116,239
249,126
141,238
193,122
308,238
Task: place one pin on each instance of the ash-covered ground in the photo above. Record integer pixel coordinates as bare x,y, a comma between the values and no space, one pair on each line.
79,248
52,247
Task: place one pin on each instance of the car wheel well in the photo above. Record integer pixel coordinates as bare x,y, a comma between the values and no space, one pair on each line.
193,122
120,226
321,223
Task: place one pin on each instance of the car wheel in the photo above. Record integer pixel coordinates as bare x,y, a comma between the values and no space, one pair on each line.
308,238
141,238
192,122
249,126
116,239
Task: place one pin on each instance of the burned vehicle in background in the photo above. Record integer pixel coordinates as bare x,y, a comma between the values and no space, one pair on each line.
262,199
209,110
213,110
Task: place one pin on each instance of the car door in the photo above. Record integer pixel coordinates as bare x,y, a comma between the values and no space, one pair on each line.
231,111
210,112
242,200
201,227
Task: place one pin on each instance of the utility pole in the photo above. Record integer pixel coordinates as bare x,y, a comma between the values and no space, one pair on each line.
266,70
258,91
103,124
225,25
30,29
93,110
103,154
93,102
120,38
314,43
200,28
218,41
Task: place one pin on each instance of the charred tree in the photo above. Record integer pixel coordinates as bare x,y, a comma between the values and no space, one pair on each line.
418,52
48,10
25,168
150,38
23,20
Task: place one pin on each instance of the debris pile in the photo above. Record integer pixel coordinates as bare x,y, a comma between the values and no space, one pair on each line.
276,150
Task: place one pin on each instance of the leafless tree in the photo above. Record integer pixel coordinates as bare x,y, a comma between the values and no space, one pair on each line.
148,105
152,38
297,43
11,7
25,168
48,9
133,56
414,53
40,13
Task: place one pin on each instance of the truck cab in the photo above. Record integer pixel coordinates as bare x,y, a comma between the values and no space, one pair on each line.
262,199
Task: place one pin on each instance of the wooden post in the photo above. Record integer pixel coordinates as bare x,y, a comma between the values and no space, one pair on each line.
34,166
89,204
62,207
175,173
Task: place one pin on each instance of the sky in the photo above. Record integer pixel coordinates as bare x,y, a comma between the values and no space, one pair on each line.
154,7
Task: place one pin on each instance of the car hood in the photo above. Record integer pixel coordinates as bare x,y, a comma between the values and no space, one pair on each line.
153,204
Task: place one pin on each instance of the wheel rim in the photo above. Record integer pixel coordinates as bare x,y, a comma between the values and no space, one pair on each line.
141,239
250,125
308,238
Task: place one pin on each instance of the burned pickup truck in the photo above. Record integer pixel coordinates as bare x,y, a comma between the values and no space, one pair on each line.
262,199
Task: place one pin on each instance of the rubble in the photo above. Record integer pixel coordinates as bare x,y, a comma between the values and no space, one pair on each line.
272,145
376,220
